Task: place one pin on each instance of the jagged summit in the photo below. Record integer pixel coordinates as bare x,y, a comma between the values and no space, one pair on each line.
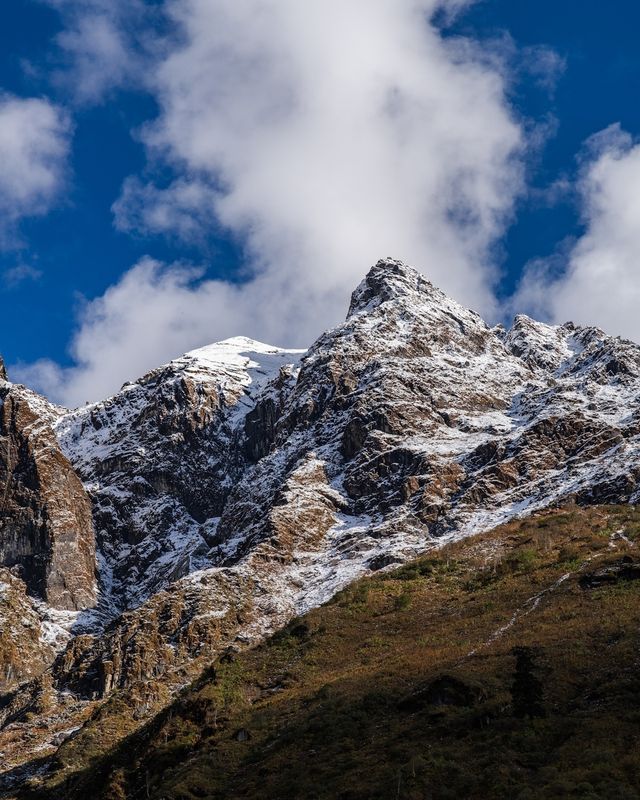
389,279
3,371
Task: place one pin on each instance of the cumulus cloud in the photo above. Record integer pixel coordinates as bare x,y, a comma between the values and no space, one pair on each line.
330,133
153,310
34,144
321,136
157,311
598,280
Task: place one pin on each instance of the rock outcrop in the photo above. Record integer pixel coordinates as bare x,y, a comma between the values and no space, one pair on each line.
46,526
26,649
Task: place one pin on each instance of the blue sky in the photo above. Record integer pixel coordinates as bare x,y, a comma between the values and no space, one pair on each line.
598,87
566,76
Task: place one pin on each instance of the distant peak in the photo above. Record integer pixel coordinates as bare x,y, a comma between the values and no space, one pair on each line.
236,346
387,280
3,371
239,343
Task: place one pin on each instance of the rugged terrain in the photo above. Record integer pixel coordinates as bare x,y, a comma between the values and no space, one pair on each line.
504,665
206,504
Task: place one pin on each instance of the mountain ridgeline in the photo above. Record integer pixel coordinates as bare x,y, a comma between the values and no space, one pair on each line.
200,509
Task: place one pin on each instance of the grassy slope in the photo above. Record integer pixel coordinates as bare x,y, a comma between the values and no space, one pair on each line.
331,707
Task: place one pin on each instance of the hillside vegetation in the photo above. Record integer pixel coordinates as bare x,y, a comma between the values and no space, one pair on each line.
506,665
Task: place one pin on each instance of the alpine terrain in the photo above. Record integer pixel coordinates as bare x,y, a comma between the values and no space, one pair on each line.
258,572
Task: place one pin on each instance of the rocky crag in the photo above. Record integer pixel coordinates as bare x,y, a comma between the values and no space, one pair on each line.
207,503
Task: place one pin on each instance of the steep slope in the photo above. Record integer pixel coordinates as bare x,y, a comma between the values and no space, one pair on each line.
160,458
448,678
46,529
242,484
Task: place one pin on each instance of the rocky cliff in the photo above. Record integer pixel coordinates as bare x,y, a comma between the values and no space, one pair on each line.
243,484
46,527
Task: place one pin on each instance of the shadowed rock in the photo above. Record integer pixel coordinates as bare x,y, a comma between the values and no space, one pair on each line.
46,527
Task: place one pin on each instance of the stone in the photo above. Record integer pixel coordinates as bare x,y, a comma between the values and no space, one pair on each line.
46,525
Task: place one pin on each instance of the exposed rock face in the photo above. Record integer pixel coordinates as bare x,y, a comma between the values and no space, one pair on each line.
46,527
242,484
25,650
160,458
272,479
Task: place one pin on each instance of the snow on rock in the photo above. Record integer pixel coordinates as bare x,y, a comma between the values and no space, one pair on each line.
158,459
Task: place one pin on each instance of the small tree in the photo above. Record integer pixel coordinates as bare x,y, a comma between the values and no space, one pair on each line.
526,690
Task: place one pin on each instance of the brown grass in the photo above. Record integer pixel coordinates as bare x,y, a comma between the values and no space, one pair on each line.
337,705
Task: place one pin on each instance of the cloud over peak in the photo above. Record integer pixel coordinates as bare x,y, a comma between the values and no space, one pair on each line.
321,136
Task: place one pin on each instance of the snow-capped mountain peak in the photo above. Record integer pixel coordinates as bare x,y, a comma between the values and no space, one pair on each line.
242,483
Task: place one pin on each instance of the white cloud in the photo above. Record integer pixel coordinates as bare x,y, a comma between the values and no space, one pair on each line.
104,43
34,145
544,65
153,313
599,281
184,210
337,132
323,135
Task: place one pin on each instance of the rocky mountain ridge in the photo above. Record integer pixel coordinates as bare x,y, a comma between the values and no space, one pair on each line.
243,484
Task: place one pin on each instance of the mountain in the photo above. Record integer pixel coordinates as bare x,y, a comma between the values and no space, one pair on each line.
205,505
